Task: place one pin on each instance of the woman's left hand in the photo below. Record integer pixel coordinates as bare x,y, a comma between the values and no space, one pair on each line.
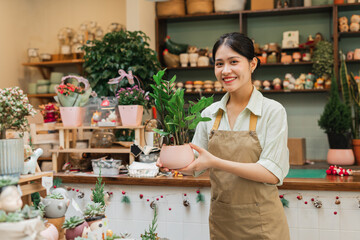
204,161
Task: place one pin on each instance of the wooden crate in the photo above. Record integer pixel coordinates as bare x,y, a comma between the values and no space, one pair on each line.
31,183
297,151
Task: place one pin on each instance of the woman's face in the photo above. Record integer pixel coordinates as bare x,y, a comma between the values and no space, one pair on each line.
232,69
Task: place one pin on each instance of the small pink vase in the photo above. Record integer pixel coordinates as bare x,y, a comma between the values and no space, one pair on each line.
131,115
50,233
72,116
340,157
175,157
71,234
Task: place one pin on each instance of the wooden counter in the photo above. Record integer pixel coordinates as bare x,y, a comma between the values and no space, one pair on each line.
329,183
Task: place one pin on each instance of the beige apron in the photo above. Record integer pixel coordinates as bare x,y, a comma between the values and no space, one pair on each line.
240,208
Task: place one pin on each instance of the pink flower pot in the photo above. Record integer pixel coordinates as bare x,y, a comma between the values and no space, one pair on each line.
72,116
175,157
131,115
340,157
50,233
72,233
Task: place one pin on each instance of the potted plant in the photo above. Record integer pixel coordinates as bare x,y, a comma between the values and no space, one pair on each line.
74,227
131,100
55,205
119,50
336,121
176,121
94,212
323,59
72,98
14,108
351,95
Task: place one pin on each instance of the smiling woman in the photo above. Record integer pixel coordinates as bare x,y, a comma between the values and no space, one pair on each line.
245,147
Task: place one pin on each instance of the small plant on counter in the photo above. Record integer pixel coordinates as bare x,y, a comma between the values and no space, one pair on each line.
94,210
175,120
150,234
73,222
98,192
55,196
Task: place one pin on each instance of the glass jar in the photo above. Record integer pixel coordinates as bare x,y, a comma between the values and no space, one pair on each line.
102,138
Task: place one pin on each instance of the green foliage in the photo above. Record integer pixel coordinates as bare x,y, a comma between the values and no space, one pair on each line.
336,117
113,237
125,50
14,217
98,191
284,202
200,197
125,199
175,121
73,222
351,95
55,196
150,234
8,180
2,216
35,198
323,58
31,212
94,209
57,182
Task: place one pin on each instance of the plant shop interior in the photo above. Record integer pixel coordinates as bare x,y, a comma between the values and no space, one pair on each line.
94,92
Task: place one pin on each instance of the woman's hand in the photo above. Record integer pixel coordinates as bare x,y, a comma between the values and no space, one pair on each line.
204,161
160,165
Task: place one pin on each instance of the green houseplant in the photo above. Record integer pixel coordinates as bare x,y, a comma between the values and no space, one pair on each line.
351,95
323,59
74,227
336,121
14,108
94,212
128,50
175,120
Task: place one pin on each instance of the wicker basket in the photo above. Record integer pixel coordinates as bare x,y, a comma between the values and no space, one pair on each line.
170,8
199,6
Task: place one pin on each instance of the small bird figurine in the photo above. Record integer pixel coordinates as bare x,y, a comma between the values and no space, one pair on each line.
171,60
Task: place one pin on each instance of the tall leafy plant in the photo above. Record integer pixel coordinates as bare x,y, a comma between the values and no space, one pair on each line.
127,50
351,95
175,119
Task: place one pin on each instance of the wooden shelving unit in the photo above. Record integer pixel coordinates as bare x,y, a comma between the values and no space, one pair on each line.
266,91
45,95
31,183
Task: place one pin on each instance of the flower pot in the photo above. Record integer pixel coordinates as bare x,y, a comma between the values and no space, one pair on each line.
11,156
131,115
339,141
72,233
356,149
94,221
175,157
72,116
27,229
108,167
55,208
340,157
50,233
338,1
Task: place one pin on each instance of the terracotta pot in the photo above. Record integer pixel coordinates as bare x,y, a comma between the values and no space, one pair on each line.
72,233
338,1
131,115
340,157
356,149
72,116
50,233
175,157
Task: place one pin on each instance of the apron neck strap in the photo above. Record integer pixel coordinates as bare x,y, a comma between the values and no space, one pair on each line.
252,124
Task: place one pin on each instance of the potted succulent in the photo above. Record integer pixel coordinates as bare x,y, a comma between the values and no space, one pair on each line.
74,227
119,50
131,100
94,212
176,121
336,121
14,107
72,98
55,205
351,95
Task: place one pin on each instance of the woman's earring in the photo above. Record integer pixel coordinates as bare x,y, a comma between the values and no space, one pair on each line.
252,71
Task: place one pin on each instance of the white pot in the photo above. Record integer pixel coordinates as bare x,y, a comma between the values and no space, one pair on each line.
229,5
27,229
11,156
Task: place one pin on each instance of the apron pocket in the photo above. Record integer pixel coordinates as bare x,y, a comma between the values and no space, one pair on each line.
239,222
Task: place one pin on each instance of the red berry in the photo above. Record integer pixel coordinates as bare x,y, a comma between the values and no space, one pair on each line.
198,191
77,190
299,197
328,172
74,189
331,167
169,209
141,196
157,199
281,196
334,172
162,196
185,194
123,192
54,186
312,199
305,202
335,213
111,193
147,200
337,197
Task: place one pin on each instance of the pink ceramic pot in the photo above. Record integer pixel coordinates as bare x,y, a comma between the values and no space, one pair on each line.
72,233
340,157
131,115
50,233
175,157
72,116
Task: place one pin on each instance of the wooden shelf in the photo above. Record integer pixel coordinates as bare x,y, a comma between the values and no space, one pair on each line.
349,34
352,61
31,183
32,177
201,16
348,7
288,11
92,150
191,68
96,127
54,63
267,91
43,95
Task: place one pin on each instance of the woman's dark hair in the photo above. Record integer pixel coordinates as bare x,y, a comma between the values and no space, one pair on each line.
237,42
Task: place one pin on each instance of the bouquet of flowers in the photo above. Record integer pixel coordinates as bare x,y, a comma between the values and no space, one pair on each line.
50,112
70,95
14,107
132,96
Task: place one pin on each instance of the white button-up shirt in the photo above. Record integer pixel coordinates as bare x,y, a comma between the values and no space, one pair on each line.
271,129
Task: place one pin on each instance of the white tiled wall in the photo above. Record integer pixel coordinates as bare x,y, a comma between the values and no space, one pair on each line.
305,221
